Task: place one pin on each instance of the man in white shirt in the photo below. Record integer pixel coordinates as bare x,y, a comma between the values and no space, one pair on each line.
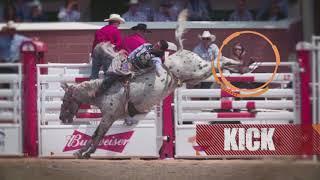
206,49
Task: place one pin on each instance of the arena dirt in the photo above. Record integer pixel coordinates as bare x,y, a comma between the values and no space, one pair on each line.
69,169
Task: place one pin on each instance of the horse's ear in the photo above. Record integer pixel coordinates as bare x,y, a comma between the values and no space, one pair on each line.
64,86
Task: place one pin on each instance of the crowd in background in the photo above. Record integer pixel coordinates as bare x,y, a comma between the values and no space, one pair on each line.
31,11
138,11
142,10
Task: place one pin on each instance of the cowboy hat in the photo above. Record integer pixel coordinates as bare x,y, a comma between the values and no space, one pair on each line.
207,34
115,17
142,27
133,2
9,26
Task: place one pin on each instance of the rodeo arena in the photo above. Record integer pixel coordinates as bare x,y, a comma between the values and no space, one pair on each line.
146,89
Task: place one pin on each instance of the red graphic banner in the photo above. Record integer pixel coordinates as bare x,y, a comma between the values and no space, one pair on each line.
113,142
231,139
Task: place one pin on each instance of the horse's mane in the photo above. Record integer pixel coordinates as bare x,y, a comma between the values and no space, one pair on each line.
87,89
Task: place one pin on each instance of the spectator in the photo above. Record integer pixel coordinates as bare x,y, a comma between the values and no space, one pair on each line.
206,49
274,13
36,14
133,14
266,6
238,52
10,13
237,55
164,13
22,10
147,9
103,55
136,39
1,11
198,10
177,7
241,13
70,12
10,43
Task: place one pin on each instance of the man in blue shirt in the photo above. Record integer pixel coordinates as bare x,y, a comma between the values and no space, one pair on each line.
10,43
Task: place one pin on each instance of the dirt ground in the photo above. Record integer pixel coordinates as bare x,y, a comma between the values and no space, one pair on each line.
69,169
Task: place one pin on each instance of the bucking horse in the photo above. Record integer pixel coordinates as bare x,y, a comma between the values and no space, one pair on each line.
137,97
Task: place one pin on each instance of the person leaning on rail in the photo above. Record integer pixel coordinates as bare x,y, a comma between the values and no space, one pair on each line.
10,42
107,41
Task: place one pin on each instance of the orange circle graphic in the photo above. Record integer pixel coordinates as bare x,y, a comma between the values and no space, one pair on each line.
230,88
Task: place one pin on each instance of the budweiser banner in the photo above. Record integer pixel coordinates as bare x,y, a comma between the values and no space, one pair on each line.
231,139
113,142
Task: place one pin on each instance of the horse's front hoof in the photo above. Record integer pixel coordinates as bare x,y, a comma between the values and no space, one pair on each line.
78,155
129,121
86,156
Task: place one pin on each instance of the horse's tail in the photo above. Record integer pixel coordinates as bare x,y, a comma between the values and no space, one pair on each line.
181,27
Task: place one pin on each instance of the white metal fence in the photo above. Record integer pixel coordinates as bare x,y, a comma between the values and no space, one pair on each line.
10,109
315,79
279,105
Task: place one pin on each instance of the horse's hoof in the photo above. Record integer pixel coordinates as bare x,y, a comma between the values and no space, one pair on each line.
86,156
78,155
129,121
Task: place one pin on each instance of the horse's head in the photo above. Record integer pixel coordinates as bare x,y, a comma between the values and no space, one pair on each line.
69,106
188,66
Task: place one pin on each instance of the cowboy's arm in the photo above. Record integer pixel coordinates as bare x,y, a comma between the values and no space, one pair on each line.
117,40
238,67
225,63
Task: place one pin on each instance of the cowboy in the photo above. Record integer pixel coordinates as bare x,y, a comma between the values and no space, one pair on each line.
140,60
106,42
136,39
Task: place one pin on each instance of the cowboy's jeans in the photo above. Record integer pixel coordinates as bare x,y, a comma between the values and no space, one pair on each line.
102,55
96,65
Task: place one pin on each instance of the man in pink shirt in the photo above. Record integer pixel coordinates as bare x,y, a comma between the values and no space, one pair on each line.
107,41
136,39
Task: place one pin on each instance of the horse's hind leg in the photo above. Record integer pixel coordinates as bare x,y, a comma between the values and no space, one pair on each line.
102,129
